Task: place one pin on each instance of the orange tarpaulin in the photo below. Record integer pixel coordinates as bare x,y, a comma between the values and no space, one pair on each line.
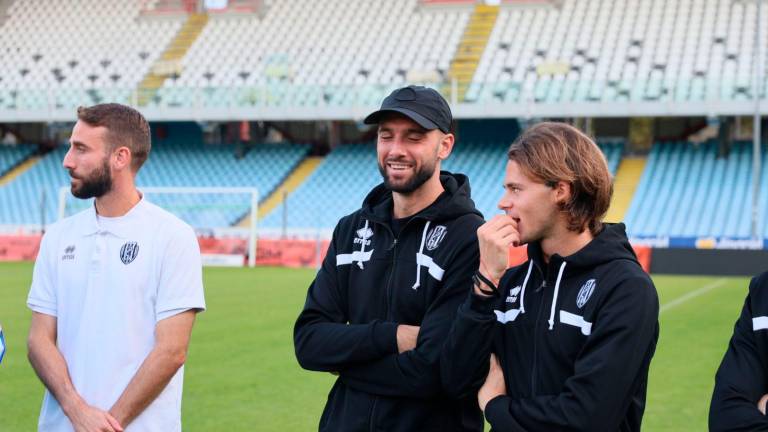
271,252
290,253
19,247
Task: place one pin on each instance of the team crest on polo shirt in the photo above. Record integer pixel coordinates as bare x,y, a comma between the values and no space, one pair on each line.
436,236
128,252
585,293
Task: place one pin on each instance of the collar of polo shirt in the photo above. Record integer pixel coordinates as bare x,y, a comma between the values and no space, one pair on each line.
119,226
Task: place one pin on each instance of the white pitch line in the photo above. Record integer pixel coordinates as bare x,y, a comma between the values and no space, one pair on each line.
693,294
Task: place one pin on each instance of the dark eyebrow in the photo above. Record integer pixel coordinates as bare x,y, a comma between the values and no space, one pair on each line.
77,143
511,185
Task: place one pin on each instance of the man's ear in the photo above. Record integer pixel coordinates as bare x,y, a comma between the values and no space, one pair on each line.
563,192
446,146
122,158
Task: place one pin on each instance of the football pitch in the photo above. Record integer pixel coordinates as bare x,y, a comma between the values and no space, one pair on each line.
241,374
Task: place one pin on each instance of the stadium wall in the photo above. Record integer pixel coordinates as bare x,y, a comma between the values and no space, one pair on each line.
714,262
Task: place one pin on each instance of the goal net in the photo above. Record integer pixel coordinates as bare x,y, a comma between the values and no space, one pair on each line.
224,218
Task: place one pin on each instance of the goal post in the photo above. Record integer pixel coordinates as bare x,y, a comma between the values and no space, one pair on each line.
225,219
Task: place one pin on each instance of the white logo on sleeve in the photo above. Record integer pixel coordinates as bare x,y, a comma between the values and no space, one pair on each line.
585,293
435,237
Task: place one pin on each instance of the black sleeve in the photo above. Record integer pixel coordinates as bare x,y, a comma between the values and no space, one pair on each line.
465,357
323,339
741,379
416,373
597,395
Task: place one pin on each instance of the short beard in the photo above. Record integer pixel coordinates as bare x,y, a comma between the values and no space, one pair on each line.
418,179
96,185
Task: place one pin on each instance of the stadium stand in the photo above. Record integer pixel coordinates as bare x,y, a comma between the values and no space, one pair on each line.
10,156
289,55
66,53
623,50
687,191
294,54
172,163
340,183
302,60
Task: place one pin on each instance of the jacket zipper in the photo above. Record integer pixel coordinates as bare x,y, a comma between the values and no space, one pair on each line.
393,247
373,409
392,270
534,366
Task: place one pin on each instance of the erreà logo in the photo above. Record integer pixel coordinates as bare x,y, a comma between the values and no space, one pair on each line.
363,236
69,253
585,293
512,297
128,252
436,236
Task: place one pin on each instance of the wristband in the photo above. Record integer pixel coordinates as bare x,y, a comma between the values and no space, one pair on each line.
481,280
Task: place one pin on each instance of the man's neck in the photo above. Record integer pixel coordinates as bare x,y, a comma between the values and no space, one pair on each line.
409,204
565,243
118,201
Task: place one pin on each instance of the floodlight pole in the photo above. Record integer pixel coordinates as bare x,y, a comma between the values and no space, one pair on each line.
756,132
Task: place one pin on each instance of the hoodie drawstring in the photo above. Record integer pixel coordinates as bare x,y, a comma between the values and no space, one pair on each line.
554,298
525,283
362,247
421,251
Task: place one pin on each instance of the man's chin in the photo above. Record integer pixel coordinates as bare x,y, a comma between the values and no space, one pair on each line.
401,177
398,182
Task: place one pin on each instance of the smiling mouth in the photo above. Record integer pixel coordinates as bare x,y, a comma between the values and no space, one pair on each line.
398,166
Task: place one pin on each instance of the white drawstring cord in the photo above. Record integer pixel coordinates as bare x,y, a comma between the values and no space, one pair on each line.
421,250
554,298
525,283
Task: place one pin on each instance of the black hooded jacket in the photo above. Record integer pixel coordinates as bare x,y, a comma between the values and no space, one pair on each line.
574,338
372,280
742,379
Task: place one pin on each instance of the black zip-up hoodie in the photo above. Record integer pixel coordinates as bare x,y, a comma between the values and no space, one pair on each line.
742,378
372,280
574,338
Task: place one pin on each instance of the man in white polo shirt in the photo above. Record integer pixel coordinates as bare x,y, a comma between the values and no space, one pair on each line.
115,290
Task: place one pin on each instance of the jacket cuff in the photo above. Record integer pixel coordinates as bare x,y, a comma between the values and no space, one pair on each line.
496,410
385,337
481,304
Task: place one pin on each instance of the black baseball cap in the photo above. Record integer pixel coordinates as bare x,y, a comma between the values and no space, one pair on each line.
421,104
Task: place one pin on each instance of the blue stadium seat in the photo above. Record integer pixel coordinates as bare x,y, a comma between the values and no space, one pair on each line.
347,174
688,191
170,164
10,156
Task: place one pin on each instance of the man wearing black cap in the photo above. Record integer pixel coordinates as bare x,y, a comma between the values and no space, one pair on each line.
396,270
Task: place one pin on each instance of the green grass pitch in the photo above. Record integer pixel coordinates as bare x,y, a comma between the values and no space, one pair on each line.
241,373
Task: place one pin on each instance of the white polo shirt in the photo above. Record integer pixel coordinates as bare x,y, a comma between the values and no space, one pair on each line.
108,281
